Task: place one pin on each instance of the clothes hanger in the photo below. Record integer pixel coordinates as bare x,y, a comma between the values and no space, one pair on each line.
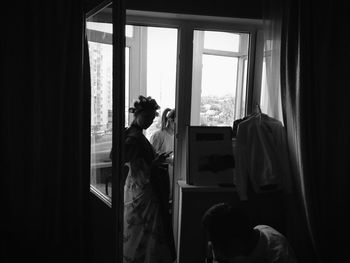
257,108
258,111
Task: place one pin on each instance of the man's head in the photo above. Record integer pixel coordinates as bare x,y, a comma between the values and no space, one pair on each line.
229,231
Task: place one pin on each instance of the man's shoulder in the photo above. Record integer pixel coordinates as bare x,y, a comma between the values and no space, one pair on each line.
267,229
263,227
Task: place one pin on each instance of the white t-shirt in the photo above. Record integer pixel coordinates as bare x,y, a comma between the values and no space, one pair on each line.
272,247
162,141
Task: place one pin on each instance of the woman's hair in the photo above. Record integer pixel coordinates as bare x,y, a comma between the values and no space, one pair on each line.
167,114
144,104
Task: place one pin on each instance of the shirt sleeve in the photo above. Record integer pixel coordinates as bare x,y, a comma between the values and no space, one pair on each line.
157,141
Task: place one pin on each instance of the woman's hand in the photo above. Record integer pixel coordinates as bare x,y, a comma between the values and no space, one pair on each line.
162,158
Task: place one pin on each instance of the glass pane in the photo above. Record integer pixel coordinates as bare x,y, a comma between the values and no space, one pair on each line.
100,54
161,69
151,68
221,41
244,91
127,84
98,26
152,62
219,81
218,90
264,98
129,30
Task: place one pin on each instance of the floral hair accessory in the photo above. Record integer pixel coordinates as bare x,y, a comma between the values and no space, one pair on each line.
144,104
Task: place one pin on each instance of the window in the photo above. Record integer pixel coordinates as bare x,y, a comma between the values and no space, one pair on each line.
100,54
151,60
270,99
219,80
150,70
209,81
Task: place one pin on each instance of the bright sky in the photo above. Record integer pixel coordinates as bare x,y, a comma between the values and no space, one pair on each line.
219,75
221,41
161,65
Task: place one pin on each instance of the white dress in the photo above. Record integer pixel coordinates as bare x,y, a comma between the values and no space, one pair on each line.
146,237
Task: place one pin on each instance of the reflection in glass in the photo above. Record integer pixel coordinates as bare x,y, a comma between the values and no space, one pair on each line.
99,36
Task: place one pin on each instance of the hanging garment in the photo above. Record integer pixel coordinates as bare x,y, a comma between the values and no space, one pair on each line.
235,126
261,156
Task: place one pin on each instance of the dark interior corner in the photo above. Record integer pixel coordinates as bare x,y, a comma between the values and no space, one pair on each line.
48,212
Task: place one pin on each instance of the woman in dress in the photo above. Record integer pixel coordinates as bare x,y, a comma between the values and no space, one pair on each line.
147,226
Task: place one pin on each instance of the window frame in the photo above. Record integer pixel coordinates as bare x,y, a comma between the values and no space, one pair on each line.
137,45
107,39
198,51
186,24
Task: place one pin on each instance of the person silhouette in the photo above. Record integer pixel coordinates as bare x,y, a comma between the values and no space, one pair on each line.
232,238
148,235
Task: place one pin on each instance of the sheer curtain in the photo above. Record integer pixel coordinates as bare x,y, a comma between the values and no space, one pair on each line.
280,98
270,101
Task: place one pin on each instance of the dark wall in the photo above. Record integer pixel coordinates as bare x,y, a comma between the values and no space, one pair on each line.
194,203
228,8
101,235
225,8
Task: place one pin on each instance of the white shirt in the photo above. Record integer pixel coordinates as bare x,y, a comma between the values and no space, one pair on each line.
261,155
162,141
272,247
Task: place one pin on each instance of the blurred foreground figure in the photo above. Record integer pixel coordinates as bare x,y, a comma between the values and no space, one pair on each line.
231,238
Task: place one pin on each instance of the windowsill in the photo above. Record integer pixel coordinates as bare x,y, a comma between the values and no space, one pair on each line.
212,188
101,165
105,199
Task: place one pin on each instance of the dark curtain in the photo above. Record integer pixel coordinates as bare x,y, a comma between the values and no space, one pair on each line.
314,80
45,133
